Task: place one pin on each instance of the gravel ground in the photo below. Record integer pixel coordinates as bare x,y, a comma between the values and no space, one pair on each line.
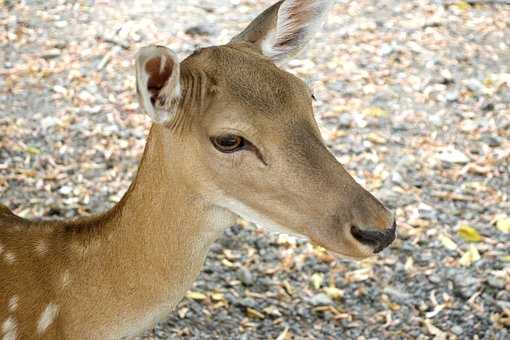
413,97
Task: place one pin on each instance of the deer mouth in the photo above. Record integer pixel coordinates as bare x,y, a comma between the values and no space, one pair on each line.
375,238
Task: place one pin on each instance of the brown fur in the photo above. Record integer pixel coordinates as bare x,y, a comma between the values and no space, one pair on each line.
119,273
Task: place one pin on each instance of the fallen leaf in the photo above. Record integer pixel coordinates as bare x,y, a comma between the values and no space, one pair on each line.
433,330
283,335
195,295
227,263
288,288
334,293
447,242
272,310
182,312
436,311
470,256
359,275
468,233
375,138
32,150
409,264
375,111
217,296
254,314
503,224
338,134
317,280
462,5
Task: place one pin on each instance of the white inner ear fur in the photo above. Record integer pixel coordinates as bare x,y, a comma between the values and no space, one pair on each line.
297,22
161,107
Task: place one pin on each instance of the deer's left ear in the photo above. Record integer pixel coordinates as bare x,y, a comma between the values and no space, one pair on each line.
158,82
283,30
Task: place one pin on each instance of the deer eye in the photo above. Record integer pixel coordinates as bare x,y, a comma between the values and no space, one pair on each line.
228,143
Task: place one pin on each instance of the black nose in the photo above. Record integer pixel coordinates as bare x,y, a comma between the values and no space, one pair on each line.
375,238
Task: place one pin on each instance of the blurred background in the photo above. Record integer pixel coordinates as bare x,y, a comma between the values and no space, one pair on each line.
413,97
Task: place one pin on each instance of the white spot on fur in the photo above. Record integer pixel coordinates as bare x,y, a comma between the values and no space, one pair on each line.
66,279
10,258
9,329
1,249
13,304
47,317
41,247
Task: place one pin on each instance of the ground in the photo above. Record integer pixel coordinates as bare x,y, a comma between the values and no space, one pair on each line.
413,97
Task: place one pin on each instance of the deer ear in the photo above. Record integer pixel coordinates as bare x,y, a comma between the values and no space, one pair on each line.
158,82
283,29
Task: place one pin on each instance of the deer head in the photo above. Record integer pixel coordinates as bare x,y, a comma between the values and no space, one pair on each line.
241,134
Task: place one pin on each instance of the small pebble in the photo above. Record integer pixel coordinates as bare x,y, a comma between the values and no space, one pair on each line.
245,276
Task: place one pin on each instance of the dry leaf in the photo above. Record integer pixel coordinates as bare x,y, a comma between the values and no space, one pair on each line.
272,310
227,263
463,5
409,264
288,288
503,224
375,111
375,138
32,150
436,311
338,134
433,330
284,335
334,293
468,233
217,296
470,256
195,295
317,280
254,314
182,312
447,242
359,275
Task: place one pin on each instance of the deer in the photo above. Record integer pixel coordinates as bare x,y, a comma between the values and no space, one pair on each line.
233,135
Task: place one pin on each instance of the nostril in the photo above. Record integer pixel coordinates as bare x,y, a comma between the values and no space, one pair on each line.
388,237
375,238
368,237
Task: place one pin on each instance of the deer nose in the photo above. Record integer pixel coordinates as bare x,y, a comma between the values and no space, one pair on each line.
375,238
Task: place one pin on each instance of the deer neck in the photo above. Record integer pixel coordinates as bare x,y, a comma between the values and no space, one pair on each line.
152,246
161,213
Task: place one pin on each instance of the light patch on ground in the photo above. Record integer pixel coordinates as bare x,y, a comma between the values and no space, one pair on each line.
13,304
41,247
10,258
47,317
9,329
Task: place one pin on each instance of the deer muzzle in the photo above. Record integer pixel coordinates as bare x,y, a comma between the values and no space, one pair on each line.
378,239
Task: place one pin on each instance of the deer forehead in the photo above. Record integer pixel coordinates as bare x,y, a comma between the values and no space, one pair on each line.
244,77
